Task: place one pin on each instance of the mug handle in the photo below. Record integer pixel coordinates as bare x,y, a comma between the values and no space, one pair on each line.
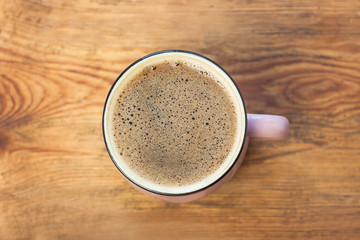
265,127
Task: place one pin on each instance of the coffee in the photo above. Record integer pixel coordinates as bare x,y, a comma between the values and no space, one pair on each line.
174,122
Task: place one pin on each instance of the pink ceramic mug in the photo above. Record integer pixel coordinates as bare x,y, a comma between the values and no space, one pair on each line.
255,127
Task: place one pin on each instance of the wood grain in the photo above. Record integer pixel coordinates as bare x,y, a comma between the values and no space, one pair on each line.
58,60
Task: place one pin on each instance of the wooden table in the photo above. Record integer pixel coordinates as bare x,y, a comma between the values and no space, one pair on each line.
298,58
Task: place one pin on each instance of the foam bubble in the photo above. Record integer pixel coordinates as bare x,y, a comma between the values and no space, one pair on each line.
174,123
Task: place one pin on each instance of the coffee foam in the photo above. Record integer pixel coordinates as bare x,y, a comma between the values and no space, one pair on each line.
189,177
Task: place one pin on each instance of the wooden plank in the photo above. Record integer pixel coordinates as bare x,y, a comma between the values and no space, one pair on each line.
58,60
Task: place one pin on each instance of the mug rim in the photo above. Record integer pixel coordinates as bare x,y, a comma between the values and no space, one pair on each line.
158,192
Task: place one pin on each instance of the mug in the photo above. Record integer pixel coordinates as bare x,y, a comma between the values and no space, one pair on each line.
255,127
